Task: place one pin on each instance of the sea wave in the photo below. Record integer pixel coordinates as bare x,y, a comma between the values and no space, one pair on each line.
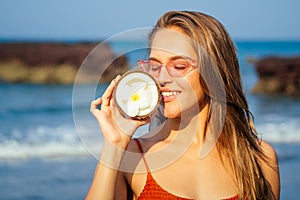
37,110
64,141
42,141
16,150
280,132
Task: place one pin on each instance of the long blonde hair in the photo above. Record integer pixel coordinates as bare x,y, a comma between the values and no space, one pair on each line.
238,141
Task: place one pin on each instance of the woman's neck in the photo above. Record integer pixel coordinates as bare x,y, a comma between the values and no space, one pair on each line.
192,126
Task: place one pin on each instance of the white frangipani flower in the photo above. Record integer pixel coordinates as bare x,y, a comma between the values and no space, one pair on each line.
137,94
139,100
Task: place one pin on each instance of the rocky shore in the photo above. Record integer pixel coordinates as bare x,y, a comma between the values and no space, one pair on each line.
278,75
57,63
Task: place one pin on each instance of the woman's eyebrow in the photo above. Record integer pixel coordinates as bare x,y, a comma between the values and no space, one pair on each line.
154,59
177,57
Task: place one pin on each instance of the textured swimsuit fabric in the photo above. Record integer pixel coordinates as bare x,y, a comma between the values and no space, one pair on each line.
153,191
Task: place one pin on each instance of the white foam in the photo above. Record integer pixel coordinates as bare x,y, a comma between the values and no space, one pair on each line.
64,141
287,131
41,141
15,150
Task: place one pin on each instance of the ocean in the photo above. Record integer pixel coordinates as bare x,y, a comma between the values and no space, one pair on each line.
49,142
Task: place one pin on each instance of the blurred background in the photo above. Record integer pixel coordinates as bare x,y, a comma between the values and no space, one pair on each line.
48,148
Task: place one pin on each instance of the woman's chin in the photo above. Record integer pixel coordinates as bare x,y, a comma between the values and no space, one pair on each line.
171,113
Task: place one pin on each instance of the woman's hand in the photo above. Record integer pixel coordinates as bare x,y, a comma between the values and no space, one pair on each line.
116,129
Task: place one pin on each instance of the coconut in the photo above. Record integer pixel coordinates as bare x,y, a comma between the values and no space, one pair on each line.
137,95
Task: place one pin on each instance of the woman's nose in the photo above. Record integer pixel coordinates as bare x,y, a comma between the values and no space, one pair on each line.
164,77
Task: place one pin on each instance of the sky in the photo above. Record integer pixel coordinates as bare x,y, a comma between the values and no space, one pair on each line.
100,19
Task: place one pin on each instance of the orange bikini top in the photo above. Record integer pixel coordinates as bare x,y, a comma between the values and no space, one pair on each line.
153,191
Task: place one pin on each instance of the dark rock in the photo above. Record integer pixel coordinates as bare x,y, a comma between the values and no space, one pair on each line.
35,54
278,75
52,55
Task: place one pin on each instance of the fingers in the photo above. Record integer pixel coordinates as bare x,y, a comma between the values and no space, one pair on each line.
109,115
106,97
105,100
95,104
118,78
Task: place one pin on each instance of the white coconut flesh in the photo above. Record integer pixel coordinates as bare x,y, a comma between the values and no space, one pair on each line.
137,94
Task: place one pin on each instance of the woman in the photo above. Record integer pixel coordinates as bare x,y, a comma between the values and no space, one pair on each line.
194,60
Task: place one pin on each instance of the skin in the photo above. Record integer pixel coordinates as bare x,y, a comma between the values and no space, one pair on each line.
188,176
165,49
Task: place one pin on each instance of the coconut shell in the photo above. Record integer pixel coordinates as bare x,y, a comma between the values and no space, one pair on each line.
140,75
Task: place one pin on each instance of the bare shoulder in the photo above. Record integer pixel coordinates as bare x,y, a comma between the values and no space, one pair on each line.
132,147
269,151
271,168
131,158
141,145
270,165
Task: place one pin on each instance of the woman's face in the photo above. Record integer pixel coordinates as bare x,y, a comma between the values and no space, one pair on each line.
179,93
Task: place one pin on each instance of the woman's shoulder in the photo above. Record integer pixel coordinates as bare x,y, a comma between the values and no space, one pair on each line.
133,145
269,151
270,167
131,158
138,145
270,161
142,144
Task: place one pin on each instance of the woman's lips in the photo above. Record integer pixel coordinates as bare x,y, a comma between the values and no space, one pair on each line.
169,95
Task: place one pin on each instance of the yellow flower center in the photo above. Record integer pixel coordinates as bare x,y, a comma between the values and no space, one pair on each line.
135,97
